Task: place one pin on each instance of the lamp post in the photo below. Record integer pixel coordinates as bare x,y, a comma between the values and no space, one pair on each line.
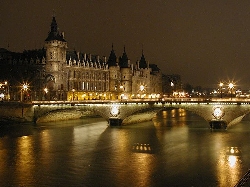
221,84
231,85
24,88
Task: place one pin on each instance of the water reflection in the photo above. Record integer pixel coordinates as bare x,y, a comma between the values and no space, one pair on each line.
229,166
229,163
25,160
176,149
141,148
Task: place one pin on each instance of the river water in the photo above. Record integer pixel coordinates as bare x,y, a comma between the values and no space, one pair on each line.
176,149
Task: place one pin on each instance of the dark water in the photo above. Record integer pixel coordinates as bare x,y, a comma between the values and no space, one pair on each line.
176,149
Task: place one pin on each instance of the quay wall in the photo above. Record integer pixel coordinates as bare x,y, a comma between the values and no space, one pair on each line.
16,112
26,112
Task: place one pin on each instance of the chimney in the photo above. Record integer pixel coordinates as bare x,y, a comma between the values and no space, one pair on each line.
104,59
78,55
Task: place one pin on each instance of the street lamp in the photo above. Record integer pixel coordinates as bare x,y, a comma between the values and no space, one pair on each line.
231,85
221,84
24,88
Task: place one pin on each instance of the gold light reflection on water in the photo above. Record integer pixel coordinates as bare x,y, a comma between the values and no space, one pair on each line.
164,114
229,166
45,145
140,162
25,159
232,161
144,166
142,148
175,118
45,138
173,113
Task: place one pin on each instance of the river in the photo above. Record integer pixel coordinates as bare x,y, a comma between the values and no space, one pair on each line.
177,148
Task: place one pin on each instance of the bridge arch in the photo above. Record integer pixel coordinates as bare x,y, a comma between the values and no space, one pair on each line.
229,112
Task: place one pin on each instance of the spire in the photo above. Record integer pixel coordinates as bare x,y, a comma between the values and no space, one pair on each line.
142,63
54,33
53,26
112,57
123,60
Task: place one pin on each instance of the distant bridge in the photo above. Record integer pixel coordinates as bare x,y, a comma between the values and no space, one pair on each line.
217,112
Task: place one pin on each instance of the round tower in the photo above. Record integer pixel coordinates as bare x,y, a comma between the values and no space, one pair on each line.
114,75
126,75
55,46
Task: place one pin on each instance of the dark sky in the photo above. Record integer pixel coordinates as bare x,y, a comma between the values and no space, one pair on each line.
203,41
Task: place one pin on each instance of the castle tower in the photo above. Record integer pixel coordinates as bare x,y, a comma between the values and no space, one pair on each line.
141,80
115,75
143,63
126,75
55,46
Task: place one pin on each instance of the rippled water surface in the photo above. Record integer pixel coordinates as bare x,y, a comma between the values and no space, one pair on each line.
176,149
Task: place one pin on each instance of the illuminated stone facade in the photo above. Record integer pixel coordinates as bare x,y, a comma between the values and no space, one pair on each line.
54,73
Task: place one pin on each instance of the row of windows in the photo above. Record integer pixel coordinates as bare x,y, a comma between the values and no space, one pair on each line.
89,86
89,75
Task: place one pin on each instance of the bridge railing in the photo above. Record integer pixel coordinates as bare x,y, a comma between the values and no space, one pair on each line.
184,100
96,101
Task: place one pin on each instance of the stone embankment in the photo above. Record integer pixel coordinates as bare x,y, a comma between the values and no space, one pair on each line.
16,112
26,112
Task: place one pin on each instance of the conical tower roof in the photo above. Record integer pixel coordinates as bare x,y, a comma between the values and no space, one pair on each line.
123,60
142,62
54,33
112,58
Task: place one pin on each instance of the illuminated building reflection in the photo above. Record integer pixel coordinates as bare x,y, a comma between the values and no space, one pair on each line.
229,166
25,159
142,148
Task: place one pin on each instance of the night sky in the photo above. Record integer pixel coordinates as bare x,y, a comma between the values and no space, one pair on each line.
203,41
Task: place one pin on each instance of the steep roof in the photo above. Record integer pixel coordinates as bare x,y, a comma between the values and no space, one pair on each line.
112,58
54,33
123,60
142,62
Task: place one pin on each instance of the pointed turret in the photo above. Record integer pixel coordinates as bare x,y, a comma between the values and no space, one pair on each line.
123,60
55,46
112,58
54,33
142,63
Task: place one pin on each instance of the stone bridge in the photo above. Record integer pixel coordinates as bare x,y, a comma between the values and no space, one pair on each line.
216,112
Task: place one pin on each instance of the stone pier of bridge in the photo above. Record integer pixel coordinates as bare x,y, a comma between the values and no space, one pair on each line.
119,112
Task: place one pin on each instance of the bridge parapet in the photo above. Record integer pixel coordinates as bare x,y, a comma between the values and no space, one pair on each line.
125,111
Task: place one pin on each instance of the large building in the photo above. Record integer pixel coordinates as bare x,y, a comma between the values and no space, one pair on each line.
54,73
